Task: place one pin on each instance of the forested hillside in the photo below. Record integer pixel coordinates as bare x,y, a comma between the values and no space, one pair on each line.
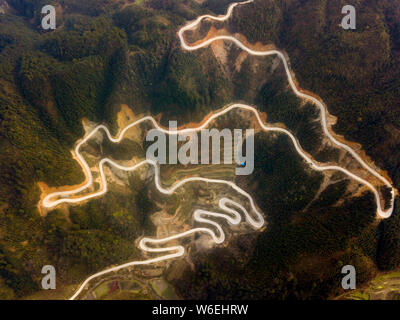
103,53
108,52
356,72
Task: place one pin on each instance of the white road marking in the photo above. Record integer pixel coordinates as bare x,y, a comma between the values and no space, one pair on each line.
199,215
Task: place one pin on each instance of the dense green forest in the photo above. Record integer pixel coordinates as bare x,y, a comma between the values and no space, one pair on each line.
103,53
301,253
107,52
355,72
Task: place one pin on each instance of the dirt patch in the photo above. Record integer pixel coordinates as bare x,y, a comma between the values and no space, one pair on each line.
125,117
240,59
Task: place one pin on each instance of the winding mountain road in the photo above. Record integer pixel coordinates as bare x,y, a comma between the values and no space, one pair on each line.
232,212
319,104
